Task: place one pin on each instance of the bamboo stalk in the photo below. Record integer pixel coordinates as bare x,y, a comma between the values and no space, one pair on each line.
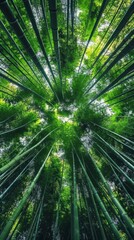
18,210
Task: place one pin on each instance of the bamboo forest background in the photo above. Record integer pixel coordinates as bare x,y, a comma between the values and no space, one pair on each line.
66,119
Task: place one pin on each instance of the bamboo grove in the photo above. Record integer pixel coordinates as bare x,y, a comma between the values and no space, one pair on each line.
66,119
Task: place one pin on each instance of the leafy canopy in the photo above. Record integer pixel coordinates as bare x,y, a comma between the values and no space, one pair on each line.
66,119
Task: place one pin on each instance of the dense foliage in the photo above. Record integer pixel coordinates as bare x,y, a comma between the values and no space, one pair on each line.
66,119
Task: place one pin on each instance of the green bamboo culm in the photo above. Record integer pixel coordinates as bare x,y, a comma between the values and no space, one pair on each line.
18,210
122,212
18,157
54,26
19,32
75,235
111,224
